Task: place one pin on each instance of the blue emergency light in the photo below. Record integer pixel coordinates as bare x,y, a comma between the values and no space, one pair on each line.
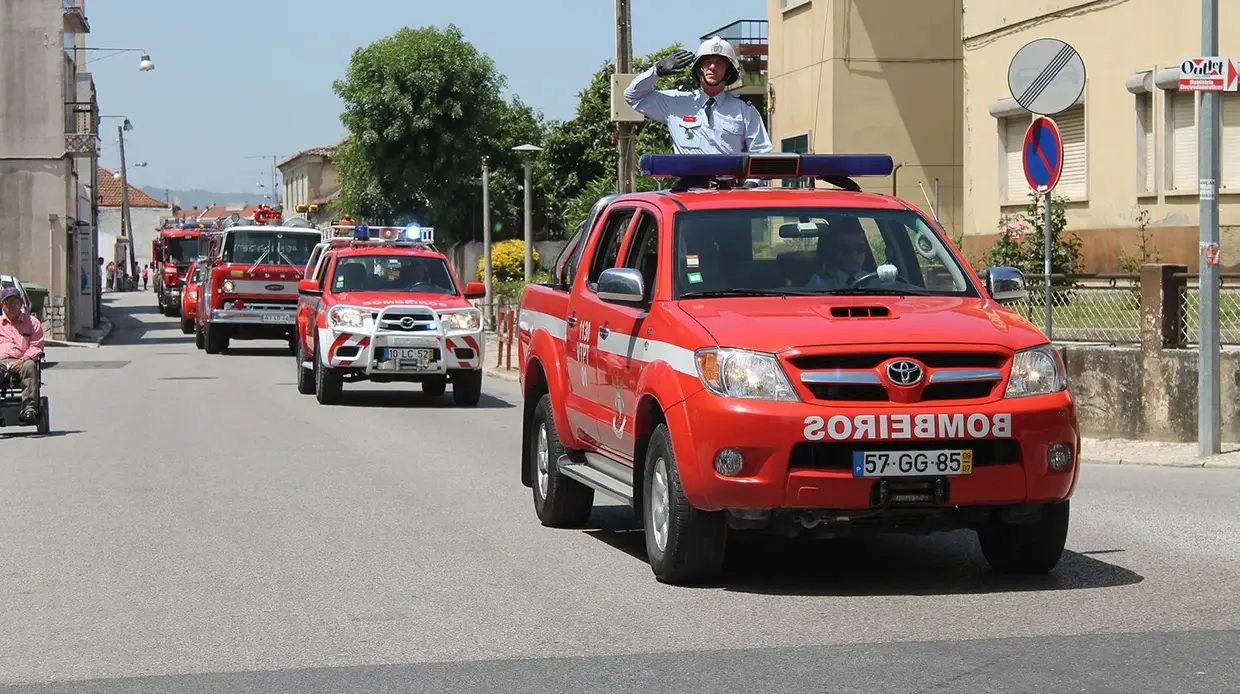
361,232
776,166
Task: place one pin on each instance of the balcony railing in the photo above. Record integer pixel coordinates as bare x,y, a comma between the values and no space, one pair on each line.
81,128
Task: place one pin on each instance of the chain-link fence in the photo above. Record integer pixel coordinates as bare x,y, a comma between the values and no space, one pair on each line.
1086,308
1228,309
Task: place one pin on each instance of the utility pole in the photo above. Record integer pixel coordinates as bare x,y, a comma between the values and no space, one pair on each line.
1208,371
275,159
625,132
126,216
486,242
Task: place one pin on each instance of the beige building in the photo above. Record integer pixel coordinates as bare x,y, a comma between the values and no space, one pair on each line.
310,179
874,76
49,145
1129,145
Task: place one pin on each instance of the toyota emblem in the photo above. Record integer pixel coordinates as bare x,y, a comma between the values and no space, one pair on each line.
406,323
904,372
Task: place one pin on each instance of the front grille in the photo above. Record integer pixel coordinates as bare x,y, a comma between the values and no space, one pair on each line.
837,455
422,321
845,392
870,360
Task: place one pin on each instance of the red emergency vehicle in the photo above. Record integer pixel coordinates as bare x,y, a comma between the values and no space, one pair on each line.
793,360
385,306
175,247
189,297
249,285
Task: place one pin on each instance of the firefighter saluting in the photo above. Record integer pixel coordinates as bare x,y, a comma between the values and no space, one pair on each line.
709,119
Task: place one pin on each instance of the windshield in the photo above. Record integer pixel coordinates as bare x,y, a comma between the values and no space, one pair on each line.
385,273
813,251
180,251
269,247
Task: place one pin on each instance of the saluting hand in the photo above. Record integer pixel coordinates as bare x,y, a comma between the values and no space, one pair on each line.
674,63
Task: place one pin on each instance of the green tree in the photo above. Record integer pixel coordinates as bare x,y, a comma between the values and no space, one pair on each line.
422,107
581,152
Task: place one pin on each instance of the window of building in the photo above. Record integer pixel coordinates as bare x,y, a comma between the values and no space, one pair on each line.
1145,143
1181,141
1012,184
797,144
1074,180
1230,139
785,5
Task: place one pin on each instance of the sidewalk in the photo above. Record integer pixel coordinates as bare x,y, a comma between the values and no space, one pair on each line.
91,338
1160,453
492,351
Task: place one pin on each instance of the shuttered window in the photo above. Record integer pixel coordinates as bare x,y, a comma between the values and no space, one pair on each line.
1181,141
1012,132
1074,181
1230,151
1145,143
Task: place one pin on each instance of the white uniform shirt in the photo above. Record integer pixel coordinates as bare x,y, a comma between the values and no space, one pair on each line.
728,126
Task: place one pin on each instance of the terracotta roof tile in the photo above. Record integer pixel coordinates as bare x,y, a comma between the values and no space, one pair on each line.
110,193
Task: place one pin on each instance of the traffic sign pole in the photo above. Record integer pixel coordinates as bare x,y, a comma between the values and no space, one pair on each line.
1047,263
1209,423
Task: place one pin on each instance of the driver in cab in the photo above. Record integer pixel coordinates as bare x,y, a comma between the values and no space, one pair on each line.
842,253
411,275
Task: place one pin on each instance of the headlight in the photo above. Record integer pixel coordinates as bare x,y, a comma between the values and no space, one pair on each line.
228,286
469,319
1036,371
737,373
345,317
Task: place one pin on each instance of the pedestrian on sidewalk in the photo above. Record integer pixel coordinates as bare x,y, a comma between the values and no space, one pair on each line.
706,120
146,269
111,276
21,345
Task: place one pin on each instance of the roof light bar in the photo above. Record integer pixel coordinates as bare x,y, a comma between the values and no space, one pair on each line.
772,166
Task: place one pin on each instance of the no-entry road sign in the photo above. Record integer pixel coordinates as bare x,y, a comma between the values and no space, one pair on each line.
1042,155
1046,76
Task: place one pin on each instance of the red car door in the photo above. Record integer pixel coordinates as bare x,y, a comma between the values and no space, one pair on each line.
309,307
587,411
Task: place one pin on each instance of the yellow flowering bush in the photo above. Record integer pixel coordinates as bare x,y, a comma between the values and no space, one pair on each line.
507,261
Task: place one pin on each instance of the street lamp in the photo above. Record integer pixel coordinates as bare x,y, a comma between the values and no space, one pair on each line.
145,64
528,152
126,218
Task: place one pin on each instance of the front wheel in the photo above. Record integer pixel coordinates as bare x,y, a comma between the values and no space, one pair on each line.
216,339
328,385
560,502
44,424
187,326
467,387
1026,548
199,339
684,544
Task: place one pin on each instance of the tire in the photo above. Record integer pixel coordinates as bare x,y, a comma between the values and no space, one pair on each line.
187,326
216,339
200,340
1030,548
684,545
560,502
305,377
466,387
328,386
44,424
435,387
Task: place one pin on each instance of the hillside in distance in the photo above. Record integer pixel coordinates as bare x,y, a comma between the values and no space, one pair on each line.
196,198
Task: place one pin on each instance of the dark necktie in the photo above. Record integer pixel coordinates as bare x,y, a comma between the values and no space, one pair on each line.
710,110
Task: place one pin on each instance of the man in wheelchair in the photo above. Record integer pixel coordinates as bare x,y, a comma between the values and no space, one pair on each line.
21,351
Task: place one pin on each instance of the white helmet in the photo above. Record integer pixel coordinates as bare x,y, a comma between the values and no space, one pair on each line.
717,46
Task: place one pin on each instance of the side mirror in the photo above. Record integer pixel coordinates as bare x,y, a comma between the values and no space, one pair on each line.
621,286
475,290
1006,285
308,287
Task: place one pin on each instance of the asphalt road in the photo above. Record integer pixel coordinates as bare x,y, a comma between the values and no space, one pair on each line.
194,524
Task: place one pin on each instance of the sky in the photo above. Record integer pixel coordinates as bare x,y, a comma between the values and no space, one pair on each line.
235,79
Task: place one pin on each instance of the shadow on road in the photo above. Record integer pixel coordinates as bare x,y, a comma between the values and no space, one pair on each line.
941,564
32,434
415,399
257,351
128,329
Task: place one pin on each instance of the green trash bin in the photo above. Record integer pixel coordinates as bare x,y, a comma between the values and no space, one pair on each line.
38,298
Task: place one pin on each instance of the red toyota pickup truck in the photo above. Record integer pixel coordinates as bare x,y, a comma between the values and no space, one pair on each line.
816,361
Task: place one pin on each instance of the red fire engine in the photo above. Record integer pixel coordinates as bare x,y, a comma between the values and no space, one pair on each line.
175,248
249,289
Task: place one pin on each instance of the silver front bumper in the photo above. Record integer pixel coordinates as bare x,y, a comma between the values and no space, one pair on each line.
257,314
363,348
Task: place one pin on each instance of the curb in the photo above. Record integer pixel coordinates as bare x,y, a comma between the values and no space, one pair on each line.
89,341
1156,454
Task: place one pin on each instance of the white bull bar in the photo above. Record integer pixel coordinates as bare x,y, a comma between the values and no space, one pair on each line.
407,326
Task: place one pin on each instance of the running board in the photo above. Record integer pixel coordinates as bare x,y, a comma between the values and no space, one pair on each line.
601,474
